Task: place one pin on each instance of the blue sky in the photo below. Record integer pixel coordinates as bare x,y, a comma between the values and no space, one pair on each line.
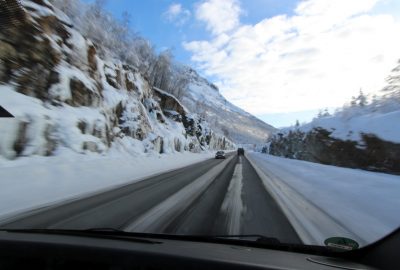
281,60
147,18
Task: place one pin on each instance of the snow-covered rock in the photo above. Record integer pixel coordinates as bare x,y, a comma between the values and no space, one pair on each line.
64,95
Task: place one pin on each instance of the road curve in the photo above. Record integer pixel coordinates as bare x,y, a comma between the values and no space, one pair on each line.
211,197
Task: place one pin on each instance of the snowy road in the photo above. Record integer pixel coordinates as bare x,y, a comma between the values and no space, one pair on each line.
322,201
210,197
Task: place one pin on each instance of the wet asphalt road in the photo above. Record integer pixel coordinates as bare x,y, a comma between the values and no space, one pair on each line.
235,202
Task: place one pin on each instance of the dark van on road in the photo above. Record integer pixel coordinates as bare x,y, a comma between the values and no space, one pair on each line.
240,151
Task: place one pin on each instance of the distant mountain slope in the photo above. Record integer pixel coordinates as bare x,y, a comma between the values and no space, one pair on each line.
238,125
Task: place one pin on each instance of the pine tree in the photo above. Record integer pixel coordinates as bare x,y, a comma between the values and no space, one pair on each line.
392,90
353,102
361,99
326,113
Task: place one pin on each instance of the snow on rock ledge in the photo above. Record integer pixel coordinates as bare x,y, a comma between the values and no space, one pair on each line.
65,96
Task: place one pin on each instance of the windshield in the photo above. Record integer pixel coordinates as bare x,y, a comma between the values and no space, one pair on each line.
277,119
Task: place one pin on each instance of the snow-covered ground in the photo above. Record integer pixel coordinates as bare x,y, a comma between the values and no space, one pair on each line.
378,115
361,204
382,124
32,182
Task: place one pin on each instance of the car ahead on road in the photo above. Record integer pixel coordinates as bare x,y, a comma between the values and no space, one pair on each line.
220,155
240,151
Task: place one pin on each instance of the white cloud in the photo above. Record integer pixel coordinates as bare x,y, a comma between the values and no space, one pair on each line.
219,15
337,8
177,14
319,57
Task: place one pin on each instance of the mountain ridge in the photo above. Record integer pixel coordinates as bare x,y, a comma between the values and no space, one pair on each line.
223,116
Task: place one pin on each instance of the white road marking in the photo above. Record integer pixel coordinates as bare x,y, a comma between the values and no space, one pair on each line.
233,204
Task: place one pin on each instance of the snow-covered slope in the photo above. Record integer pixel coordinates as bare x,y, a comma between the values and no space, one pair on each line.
205,99
65,95
40,181
351,125
361,135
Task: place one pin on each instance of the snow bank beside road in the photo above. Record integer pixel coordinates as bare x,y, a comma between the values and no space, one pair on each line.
29,183
365,204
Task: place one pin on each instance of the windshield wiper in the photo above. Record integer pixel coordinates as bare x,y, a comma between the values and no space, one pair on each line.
250,240
243,237
137,236
258,238
109,233
258,241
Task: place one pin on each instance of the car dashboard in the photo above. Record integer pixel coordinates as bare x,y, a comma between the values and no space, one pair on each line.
53,251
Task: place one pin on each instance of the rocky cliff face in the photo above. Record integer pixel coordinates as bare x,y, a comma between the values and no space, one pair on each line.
64,96
369,153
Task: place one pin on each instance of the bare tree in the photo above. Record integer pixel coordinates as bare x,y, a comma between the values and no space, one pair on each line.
161,70
178,84
114,38
72,8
